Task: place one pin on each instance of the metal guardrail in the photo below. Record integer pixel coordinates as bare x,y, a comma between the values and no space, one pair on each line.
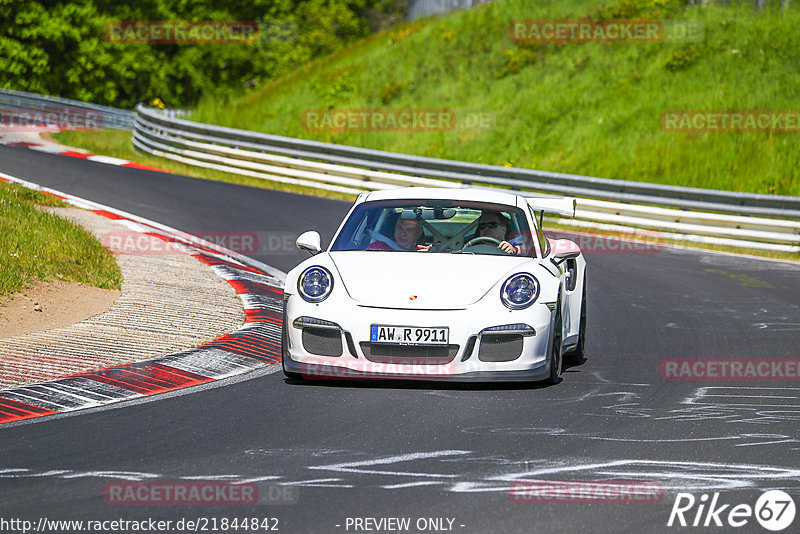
702,215
617,190
58,109
426,8
354,170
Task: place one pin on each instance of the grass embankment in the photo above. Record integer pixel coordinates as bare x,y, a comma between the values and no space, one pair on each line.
585,108
117,144
37,245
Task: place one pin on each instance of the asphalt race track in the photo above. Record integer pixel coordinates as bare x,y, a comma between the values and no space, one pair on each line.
415,450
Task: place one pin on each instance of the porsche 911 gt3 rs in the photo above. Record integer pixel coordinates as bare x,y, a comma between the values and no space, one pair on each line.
430,283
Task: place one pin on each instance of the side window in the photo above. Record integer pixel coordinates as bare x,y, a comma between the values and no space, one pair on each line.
360,235
544,245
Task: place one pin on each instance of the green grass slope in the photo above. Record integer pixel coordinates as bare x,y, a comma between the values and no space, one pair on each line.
584,108
38,245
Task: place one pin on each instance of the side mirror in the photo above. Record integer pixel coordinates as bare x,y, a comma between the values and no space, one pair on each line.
563,250
309,241
561,257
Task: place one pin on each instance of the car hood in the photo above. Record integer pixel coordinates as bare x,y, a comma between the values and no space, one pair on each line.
419,280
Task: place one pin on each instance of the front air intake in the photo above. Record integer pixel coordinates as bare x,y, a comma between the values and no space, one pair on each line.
322,341
409,354
500,347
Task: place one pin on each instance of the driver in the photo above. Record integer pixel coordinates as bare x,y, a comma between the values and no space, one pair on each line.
406,234
495,225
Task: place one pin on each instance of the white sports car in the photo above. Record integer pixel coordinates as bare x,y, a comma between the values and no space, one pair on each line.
429,283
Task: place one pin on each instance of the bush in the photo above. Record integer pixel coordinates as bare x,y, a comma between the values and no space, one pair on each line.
392,90
513,60
683,58
59,48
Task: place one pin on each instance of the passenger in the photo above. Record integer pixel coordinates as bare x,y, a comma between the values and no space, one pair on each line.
495,225
406,235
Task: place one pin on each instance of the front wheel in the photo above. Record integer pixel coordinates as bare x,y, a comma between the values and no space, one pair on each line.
284,348
290,375
576,355
555,349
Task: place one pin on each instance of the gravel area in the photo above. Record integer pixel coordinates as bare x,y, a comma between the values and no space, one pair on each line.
169,302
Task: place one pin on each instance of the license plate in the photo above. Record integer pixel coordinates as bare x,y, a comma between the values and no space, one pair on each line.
409,335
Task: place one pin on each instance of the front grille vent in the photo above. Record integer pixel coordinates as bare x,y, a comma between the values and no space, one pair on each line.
409,354
500,348
322,341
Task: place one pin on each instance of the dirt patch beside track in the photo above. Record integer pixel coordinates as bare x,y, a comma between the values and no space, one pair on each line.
47,305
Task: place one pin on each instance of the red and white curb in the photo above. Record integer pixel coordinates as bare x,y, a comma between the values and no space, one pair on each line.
36,143
255,345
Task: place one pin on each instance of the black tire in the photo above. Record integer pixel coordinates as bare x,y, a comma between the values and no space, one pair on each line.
555,349
290,375
284,344
576,355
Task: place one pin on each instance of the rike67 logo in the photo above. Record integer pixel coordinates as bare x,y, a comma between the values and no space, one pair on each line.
774,510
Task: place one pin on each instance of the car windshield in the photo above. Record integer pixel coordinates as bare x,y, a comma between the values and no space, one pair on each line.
437,226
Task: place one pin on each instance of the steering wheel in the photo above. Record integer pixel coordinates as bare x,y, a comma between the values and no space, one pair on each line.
482,239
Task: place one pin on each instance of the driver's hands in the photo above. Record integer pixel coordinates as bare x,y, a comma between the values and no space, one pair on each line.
507,247
424,248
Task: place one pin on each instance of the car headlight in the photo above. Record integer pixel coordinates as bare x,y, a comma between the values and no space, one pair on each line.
315,284
519,291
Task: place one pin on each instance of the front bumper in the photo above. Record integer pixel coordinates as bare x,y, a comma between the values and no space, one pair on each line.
351,356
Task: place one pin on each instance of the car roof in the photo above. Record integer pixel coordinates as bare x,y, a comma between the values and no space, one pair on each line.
474,194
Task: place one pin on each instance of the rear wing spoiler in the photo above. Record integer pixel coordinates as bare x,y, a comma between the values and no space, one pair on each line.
562,206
